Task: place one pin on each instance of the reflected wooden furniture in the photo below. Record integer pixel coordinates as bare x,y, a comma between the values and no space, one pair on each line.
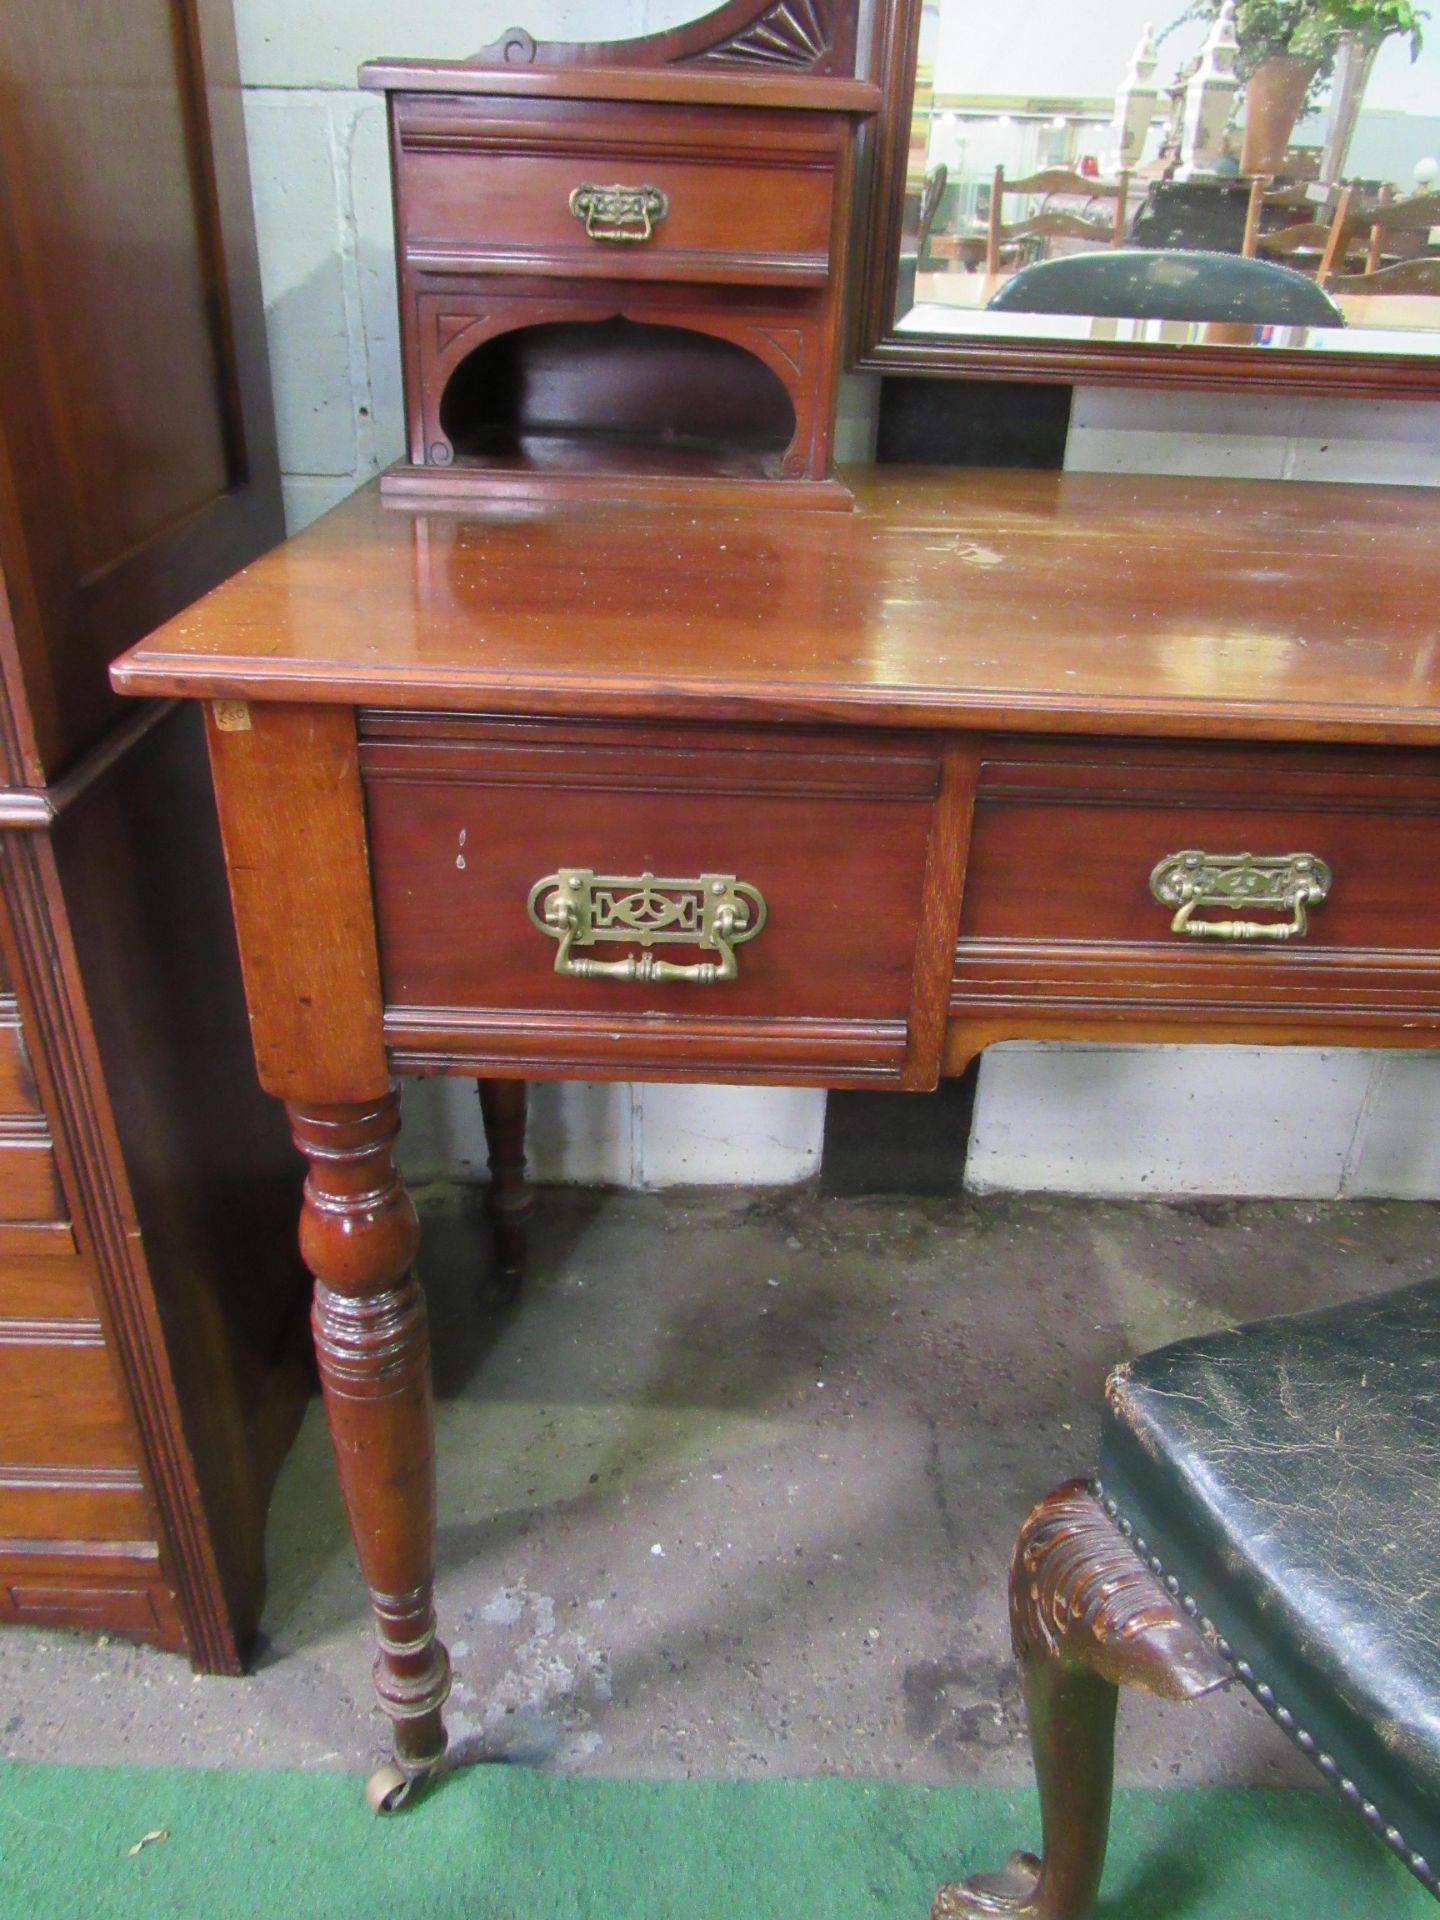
1412,279
620,279
1400,230
1365,248
1192,216
152,1365
1309,246
791,799
1067,210
887,337
1398,255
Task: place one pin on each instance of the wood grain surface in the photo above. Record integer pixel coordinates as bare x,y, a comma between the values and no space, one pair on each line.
1013,601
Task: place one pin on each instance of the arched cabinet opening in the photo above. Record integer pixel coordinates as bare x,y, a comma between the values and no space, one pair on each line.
617,396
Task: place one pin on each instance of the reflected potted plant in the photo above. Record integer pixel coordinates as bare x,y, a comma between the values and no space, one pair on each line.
1288,50
1286,54
1364,27
1288,47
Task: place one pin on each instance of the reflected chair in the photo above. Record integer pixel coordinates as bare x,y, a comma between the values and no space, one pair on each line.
1400,276
1398,255
937,178
1400,229
1068,209
1161,284
1320,247
1266,1509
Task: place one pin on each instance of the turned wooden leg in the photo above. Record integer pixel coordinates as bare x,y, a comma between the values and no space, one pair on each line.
508,1202
1087,1616
358,1235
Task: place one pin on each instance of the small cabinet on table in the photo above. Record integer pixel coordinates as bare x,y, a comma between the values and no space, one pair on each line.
619,280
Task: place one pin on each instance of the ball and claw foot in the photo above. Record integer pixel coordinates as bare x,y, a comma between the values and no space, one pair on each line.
1012,1891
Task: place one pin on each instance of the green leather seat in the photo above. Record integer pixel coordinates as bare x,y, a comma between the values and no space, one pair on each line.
1283,1479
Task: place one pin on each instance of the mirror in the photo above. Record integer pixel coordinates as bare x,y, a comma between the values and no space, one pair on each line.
1244,192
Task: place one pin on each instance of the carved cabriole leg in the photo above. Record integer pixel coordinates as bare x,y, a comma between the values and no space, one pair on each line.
358,1235
509,1202
1087,1616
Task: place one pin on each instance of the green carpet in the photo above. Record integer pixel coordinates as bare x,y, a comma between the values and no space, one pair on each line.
505,1843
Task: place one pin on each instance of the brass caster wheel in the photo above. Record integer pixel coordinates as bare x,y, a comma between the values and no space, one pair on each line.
389,1787
1007,1895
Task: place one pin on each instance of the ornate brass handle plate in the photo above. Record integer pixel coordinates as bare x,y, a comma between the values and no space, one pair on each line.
578,908
626,215
1290,883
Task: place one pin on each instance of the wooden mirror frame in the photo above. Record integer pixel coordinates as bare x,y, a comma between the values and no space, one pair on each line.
890,49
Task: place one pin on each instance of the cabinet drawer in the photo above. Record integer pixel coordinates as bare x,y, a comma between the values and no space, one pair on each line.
29,1178
58,1401
18,1093
481,830
1060,909
493,184
120,1587
73,1503
43,1278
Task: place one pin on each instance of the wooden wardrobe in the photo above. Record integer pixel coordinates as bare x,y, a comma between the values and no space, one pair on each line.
152,1308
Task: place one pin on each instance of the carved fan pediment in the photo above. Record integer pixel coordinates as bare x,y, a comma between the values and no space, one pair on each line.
788,36
795,33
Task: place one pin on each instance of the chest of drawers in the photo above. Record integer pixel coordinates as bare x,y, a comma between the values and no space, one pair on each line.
153,1363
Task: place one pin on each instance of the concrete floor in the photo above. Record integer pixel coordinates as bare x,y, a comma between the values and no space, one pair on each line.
731,1490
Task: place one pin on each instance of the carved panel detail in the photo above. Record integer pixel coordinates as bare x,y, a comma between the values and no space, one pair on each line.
790,341
449,327
793,33
1080,1591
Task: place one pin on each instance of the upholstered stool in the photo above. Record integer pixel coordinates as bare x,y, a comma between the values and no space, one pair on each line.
1265,1509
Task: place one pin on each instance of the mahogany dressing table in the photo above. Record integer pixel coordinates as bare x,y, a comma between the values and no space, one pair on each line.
649,792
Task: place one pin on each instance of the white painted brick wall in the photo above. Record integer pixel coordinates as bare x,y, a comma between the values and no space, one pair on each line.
1117,1120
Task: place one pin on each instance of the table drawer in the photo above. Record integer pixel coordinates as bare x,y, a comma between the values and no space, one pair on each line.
525,186
1060,910
573,896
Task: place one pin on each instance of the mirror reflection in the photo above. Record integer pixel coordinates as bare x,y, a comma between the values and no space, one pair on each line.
1235,172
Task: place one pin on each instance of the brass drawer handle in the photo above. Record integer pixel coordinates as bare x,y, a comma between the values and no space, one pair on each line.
579,907
1288,882
627,215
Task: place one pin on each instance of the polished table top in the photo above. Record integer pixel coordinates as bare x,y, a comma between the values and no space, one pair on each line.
1073,602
